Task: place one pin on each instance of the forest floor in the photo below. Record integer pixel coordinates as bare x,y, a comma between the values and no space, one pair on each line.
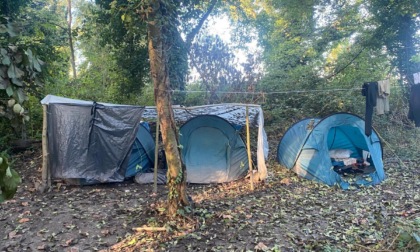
285,213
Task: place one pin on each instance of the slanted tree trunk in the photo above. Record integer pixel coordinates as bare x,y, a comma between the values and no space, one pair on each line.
158,55
69,21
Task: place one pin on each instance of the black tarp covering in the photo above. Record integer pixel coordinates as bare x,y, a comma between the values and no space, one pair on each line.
91,141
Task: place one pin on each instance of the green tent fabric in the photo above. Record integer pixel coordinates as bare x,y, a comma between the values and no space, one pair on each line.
212,150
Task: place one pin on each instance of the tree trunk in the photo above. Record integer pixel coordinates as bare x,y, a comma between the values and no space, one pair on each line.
158,55
69,21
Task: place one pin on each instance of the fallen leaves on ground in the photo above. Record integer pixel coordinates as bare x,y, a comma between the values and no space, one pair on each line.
285,213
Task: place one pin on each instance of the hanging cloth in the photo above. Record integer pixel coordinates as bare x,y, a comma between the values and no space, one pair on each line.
370,90
414,105
382,101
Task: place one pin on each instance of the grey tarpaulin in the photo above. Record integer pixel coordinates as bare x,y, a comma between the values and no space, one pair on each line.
90,140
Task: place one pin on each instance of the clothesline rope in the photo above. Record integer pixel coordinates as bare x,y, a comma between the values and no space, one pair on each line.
276,92
265,93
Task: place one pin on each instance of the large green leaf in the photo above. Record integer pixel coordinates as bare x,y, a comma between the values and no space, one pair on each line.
19,73
15,72
30,57
17,82
11,71
9,180
21,95
12,29
6,60
3,52
9,90
37,66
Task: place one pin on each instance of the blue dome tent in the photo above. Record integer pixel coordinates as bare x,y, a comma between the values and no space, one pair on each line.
305,148
212,150
142,156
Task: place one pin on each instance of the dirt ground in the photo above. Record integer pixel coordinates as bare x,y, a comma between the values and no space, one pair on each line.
285,213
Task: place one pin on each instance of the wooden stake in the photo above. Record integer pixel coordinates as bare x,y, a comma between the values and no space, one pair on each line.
46,176
248,146
156,155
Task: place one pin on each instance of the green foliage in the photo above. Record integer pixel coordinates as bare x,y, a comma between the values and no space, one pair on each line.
9,179
197,96
316,46
9,8
147,97
19,70
114,43
396,24
416,58
29,30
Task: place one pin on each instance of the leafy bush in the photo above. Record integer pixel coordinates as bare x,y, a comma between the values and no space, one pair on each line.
9,179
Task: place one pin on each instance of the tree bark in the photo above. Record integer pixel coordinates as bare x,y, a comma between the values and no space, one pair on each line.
158,55
69,21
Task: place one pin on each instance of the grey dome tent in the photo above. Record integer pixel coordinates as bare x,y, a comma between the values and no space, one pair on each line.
305,148
93,142
212,150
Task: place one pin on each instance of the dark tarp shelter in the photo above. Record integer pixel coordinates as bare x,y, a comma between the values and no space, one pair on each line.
89,140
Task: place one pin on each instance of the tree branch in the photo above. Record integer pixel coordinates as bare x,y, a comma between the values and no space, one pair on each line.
53,23
348,64
197,28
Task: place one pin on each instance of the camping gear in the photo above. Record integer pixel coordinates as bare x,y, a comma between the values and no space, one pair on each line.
306,145
212,150
90,141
